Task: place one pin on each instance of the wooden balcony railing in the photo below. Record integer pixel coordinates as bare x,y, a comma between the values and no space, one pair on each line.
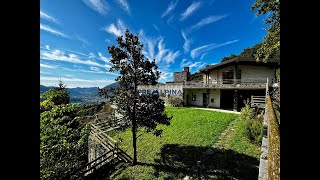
229,83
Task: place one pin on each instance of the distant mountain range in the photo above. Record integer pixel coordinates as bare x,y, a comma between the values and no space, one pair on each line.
82,95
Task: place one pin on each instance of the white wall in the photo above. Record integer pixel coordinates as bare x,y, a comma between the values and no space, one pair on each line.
214,94
247,72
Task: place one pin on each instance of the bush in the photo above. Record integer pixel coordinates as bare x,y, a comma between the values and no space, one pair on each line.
252,126
175,101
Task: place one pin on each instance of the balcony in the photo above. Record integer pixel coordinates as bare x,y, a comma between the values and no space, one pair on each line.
256,83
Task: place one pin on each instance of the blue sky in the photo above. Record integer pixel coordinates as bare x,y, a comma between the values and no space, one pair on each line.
74,35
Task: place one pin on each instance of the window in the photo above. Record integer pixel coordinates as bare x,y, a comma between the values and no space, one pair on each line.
212,100
193,96
238,74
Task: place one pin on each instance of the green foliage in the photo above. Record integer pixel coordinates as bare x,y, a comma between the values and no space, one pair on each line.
63,140
250,52
175,101
57,96
251,126
271,44
232,56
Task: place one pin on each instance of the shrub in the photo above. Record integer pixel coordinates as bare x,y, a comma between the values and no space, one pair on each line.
252,126
175,101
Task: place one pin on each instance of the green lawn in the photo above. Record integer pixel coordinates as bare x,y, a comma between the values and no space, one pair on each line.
190,138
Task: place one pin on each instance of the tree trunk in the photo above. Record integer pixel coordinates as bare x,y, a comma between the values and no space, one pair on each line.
134,122
134,142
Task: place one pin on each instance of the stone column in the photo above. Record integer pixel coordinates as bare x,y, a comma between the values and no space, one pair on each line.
235,100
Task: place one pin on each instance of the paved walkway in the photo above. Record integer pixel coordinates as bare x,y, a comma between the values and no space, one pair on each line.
219,110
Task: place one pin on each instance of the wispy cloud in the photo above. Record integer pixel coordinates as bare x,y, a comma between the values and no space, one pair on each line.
170,8
187,42
165,75
208,20
53,31
44,15
171,56
192,65
155,48
76,82
203,55
156,27
199,50
103,58
93,69
81,39
190,10
47,66
117,29
124,5
100,6
80,53
58,55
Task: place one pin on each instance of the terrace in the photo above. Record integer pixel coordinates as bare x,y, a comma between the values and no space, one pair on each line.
254,83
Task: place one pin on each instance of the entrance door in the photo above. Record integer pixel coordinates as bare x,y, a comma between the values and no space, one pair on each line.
226,99
205,99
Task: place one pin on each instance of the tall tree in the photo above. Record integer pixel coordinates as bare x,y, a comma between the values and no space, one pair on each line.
138,110
271,43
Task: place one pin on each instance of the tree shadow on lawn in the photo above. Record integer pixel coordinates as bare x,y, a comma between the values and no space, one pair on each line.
206,162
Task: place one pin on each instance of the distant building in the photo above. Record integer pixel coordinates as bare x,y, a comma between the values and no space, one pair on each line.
225,85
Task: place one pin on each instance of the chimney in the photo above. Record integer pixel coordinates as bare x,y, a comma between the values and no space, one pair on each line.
186,69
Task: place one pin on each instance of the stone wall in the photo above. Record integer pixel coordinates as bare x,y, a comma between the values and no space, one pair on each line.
180,76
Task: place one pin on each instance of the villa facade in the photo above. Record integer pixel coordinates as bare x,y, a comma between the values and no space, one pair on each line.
226,85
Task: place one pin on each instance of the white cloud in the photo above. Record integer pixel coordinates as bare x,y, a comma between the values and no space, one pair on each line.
95,69
48,47
195,52
187,42
44,15
171,56
163,54
165,75
190,10
92,70
202,56
51,30
58,55
170,8
161,50
117,29
91,56
77,52
47,66
103,58
199,50
99,6
208,20
192,65
75,82
124,5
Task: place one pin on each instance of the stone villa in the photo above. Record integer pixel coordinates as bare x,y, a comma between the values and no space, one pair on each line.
225,85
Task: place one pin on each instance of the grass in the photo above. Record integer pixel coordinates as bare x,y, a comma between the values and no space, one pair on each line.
191,137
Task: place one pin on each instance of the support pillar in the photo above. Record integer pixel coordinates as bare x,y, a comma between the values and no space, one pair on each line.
235,100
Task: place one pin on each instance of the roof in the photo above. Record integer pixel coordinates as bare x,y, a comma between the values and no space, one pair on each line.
239,60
